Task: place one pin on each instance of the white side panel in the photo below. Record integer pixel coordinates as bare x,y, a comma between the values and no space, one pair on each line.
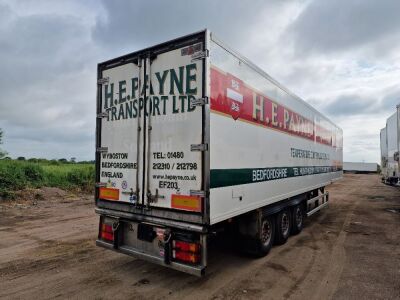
384,151
398,130
392,145
266,144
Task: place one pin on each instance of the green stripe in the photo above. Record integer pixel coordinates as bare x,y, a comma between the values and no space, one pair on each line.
230,177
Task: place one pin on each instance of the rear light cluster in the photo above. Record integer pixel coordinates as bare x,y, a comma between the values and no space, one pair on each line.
106,232
186,251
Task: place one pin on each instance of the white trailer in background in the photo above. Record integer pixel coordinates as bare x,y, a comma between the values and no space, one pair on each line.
360,167
192,138
384,152
390,149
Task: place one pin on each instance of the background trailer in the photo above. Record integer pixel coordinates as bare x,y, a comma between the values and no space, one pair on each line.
360,167
390,145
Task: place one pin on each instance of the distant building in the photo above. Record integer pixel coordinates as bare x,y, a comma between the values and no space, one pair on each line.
360,167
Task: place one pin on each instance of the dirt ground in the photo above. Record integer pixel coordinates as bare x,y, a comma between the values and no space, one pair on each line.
349,250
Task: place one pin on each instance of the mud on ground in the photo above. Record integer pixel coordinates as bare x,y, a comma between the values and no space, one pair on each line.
350,250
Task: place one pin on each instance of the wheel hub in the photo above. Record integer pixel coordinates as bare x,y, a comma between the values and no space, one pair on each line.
299,217
285,224
266,232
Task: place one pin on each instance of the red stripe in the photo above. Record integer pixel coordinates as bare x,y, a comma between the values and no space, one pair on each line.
273,115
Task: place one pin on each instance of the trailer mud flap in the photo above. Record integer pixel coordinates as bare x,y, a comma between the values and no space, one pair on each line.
146,232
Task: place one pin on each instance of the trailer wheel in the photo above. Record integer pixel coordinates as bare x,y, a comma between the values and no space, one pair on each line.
297,219
283,222
267,235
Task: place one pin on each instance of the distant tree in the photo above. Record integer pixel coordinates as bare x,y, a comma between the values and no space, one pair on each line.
73,159
63,160
21,158
7,158
54,162
2,152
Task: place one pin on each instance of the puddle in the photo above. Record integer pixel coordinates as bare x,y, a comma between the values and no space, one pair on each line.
375,197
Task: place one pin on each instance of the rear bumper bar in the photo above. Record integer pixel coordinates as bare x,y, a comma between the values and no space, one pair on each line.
151,219
197,271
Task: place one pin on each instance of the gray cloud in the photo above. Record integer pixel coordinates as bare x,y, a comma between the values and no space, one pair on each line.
331,26
391,100
359,105
44,81
134,24
350,105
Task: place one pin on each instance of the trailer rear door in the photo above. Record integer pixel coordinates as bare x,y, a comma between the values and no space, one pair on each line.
151,130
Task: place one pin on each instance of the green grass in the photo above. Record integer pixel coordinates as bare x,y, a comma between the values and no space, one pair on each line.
17,175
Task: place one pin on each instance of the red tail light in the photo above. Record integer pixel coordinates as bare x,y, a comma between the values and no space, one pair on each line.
185,246
186,251
106,232
186,256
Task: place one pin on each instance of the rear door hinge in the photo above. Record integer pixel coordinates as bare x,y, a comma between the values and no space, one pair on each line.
199,147
103,80
200,55
102,149
198,101
102,115
197,193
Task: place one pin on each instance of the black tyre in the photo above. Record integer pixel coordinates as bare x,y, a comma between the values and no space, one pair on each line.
282,232
297,219
267,236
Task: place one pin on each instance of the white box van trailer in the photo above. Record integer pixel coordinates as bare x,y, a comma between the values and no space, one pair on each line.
384,153
191,136
360,167
392,172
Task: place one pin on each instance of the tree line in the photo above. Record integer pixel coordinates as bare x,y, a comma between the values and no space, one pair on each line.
72,160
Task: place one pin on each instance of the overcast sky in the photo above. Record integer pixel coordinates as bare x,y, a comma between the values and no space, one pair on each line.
343,57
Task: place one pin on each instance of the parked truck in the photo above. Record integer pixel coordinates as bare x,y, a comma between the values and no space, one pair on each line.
390,145
191,137
384,153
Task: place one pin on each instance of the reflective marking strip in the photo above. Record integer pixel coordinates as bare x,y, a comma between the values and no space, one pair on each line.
234,95
108,193
191,203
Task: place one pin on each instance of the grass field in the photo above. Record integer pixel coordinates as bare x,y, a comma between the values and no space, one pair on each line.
17,175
